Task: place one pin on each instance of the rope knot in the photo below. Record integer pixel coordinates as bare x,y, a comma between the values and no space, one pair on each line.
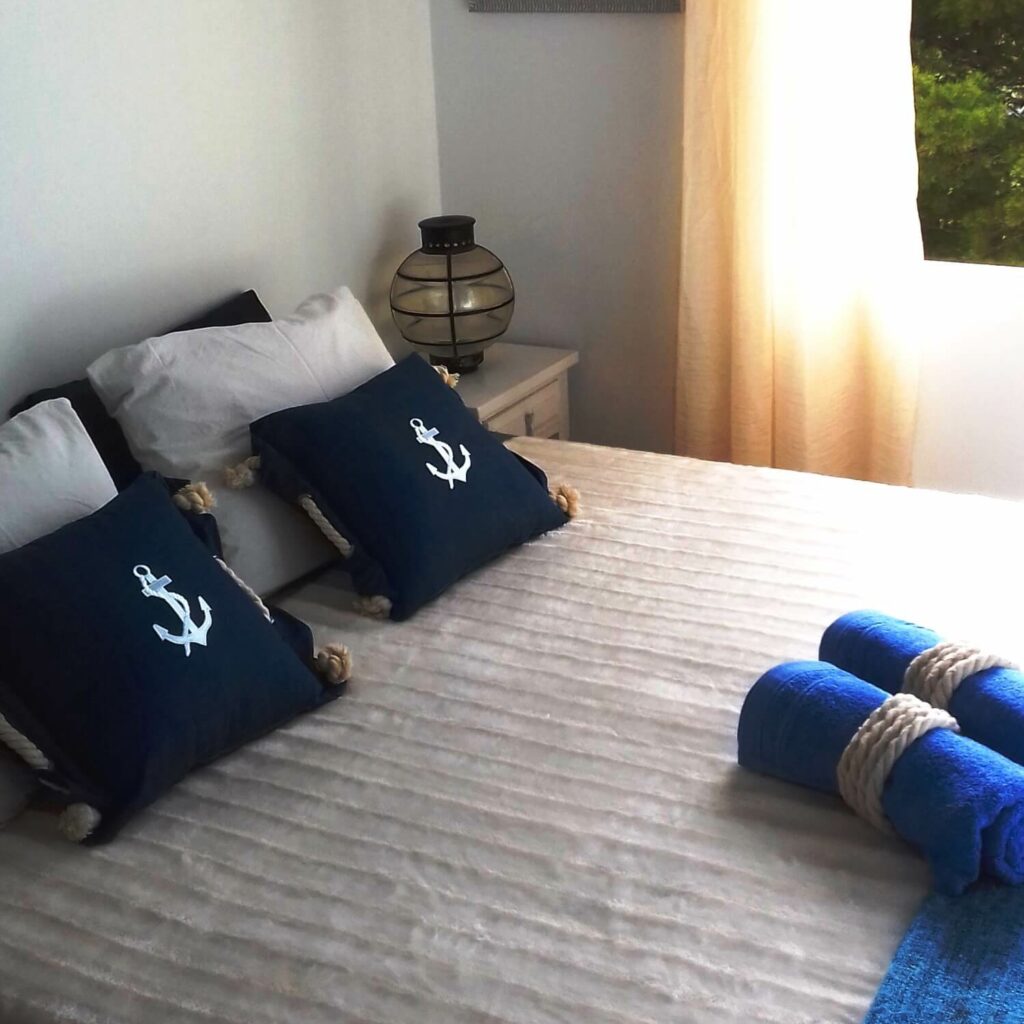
243,475
78,821
567,499
195,497
375,607
334,663
877,745
936,674
446,375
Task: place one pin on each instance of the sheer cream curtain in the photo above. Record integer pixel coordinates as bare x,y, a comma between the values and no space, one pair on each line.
801,240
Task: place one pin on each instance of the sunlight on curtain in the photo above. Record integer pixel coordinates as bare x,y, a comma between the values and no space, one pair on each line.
801,241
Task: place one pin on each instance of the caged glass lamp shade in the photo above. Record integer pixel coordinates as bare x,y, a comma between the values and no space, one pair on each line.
452,298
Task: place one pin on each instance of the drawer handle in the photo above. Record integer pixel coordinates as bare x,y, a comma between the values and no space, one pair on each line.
529,424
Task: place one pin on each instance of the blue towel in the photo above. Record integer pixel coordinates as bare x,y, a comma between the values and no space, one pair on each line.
961,961
988,705
959,803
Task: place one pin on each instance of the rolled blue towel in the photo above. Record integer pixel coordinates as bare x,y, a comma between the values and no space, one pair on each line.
959,803
989,705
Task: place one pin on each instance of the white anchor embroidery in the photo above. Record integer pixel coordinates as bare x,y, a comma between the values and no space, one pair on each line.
454,472
191,633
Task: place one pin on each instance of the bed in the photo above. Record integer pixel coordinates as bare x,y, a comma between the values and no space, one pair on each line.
526,808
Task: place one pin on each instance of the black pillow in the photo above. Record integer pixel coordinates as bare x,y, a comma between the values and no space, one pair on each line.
104,430
419,491
244,308
128,656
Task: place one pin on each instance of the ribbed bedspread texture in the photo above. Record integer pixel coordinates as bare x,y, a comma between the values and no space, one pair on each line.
527,806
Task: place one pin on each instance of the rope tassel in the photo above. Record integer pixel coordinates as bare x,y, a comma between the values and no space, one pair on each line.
195,497
375,607
334,663
78,821
447,377
243,475
567,498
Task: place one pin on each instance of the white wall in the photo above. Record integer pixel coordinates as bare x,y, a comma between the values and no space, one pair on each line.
157,155
970,433
561,135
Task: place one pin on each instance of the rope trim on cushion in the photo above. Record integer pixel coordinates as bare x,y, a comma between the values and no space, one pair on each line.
446,375
935,674
245,588
195,497
22,746
78,822
877,745
310,507
243,475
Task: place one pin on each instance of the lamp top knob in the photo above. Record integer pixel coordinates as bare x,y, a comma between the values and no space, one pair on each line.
450,234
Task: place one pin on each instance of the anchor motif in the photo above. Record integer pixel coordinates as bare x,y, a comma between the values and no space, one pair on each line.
454,472
191,633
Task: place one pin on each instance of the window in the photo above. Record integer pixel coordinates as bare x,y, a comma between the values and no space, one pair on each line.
969,88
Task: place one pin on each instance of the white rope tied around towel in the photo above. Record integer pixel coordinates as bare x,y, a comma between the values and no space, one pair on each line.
22,746
246,589
310,507
877,745
935,674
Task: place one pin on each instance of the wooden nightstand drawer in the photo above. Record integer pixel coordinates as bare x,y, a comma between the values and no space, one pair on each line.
537,415
521,389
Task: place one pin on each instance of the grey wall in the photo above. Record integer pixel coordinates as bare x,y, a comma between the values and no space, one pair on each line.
561,134
156,155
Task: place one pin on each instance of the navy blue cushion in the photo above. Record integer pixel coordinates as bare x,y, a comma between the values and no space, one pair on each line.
119,682
104,430
405,472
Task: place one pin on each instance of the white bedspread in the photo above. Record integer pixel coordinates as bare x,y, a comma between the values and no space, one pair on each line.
526,808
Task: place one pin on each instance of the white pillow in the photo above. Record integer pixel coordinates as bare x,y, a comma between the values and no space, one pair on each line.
50,475
185,402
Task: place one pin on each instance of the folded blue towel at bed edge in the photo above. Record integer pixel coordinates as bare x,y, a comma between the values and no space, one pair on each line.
962,960
959,803
989,705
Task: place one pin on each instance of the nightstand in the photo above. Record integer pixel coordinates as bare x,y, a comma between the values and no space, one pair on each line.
521,389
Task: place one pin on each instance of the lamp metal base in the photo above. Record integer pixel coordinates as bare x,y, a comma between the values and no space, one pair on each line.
459,364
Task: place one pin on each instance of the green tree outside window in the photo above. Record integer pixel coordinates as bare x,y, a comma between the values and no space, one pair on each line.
969,89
